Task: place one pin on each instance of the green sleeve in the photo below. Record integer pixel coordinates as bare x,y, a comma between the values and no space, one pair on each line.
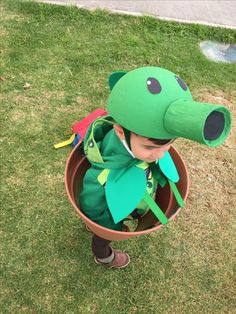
92,201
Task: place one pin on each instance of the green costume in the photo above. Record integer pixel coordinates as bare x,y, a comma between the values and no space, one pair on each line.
154,103
110,160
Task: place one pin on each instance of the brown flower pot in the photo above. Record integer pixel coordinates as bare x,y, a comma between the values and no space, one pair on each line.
76,166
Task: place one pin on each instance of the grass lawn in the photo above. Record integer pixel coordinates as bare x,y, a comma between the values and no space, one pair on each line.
55,62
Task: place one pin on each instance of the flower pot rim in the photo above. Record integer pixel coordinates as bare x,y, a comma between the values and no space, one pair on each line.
114,233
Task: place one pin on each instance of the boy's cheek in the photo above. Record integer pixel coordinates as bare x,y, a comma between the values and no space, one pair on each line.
140,156
165,149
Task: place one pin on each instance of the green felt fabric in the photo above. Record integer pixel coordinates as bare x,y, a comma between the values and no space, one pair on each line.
167,166
125,184
155,209
187,119
156,103
124,193
176,193
133,106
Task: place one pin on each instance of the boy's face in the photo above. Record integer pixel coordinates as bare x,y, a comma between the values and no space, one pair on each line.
146,150
141,147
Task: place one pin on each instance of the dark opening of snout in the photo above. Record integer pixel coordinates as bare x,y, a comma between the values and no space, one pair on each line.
214,125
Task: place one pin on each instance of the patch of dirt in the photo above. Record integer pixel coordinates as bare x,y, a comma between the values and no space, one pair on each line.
15,180
59,95
31,121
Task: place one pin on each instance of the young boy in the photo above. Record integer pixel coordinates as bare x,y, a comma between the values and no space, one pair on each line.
128,149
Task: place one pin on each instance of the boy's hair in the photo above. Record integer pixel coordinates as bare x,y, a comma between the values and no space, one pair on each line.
159,141
153,140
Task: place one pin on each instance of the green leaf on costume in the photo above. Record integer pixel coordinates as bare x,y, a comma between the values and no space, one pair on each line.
167,166
124,191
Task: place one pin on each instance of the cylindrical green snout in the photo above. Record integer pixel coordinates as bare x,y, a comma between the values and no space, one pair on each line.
201,122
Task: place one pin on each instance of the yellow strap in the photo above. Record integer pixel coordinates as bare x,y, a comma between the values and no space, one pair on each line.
65,143
102,178
143,165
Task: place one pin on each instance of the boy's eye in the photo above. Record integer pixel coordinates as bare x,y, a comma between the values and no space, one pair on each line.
150,147
181,83
153,85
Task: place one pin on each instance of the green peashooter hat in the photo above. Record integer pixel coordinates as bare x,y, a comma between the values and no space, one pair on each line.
156,103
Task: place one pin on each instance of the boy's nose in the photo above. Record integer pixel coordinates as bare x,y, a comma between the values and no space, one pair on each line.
161,151
164,149
161,154
158,155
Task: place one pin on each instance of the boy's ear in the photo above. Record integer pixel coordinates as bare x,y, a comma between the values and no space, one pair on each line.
119,131
114,78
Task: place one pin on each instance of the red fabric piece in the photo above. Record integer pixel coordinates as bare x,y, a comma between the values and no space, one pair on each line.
81,127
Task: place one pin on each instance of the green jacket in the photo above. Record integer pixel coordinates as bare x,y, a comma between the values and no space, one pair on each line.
110,164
